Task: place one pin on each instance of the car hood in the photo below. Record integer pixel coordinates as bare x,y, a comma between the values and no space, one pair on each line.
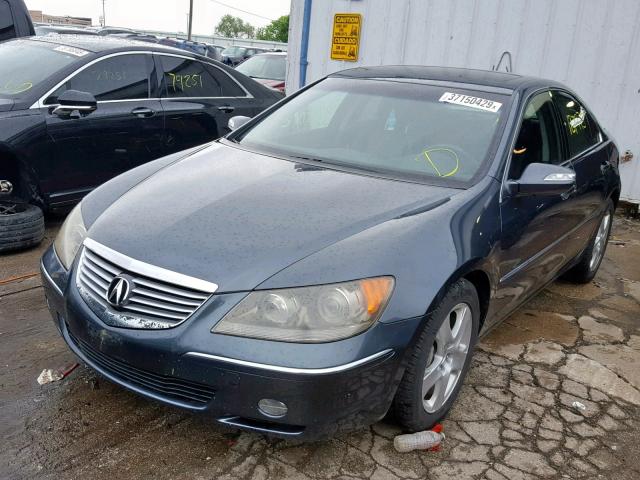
6,104
236,218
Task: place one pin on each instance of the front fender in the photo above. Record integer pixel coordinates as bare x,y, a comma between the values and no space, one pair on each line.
425,252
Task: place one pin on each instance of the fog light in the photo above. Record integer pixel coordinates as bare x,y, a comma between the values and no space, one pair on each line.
272,408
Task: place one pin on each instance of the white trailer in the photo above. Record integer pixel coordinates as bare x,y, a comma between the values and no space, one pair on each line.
593,46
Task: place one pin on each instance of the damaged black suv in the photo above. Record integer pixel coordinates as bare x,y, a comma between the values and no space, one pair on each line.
77,111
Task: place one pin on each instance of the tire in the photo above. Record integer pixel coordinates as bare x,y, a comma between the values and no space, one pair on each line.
587,267
413,410
21,225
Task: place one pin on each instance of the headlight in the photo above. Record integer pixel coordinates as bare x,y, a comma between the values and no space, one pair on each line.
70,237
309,314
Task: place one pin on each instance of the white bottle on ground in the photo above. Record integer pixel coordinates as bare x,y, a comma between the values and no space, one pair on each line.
417,441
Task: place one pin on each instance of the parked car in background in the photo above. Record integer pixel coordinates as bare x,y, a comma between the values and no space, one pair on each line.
214,51
15,20
142,37
75,112
235,54
270,69
112,30
62,30
194,47
337,258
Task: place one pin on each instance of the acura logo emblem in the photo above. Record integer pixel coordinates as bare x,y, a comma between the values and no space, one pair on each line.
119,291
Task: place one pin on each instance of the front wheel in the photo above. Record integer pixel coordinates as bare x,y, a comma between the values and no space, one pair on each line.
440,359
592,257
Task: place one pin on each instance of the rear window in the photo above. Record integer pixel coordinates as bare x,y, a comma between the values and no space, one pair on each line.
25,64
441,134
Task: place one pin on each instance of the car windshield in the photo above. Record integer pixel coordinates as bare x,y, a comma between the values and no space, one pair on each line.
437,134
232,51
270,67
26,64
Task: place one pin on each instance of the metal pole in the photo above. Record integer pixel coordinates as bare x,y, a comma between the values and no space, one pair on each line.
190,19
104,18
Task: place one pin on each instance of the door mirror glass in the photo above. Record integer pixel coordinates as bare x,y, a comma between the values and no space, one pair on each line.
237,121
72,101
542,179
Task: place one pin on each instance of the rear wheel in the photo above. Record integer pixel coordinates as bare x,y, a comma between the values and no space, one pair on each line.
21,225
592,257
440,359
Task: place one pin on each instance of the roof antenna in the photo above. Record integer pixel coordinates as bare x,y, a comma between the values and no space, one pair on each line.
508,67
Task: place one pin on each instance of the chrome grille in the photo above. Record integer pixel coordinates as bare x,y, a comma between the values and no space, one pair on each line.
152,303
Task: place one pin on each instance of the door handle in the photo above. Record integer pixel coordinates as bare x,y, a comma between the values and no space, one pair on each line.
143,112
226,108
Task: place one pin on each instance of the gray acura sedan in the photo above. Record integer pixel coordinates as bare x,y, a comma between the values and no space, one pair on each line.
336,257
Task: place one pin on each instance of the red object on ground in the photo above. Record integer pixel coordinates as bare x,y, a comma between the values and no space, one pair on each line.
69,370
438,428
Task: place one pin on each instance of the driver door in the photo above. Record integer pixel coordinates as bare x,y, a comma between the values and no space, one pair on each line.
124,131
534,241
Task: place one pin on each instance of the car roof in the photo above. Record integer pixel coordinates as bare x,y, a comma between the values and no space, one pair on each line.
489,78
101,44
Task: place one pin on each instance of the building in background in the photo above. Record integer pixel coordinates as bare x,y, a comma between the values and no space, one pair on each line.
38,17
590,45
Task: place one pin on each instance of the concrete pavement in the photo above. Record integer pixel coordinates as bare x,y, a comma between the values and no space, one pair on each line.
554,392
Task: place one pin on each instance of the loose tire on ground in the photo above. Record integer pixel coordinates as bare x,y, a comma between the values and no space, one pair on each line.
409,403
21,225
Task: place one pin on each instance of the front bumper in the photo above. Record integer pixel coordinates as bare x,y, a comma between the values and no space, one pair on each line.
225,377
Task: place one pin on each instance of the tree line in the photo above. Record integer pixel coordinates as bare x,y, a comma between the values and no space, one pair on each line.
234,27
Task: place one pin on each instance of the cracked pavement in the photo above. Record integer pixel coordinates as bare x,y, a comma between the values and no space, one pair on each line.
554,392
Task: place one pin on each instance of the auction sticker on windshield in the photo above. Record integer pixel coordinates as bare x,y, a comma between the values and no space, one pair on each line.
469,101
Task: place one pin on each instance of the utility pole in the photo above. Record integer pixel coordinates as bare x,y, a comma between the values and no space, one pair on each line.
190,20
104,18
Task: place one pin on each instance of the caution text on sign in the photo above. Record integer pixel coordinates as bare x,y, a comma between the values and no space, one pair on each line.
345,41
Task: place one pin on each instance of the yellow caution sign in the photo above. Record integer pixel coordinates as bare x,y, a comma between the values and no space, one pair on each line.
345,42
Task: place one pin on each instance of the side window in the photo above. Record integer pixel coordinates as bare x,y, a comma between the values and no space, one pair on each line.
7,30
581,130
229,87
538,140
185,78
124,77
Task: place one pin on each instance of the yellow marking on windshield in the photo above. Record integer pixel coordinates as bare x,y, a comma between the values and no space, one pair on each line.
11,88
433,165
426,154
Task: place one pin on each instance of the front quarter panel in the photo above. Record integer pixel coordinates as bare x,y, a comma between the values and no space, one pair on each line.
424,252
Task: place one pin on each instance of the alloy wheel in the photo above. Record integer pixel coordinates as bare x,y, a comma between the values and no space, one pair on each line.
600,242
447,358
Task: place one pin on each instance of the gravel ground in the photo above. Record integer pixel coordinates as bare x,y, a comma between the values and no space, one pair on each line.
517,416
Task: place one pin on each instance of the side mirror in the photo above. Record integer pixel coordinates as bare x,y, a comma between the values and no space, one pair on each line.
237,121
75,101
542,179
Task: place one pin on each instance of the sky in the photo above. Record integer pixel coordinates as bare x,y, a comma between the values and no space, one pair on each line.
165,15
